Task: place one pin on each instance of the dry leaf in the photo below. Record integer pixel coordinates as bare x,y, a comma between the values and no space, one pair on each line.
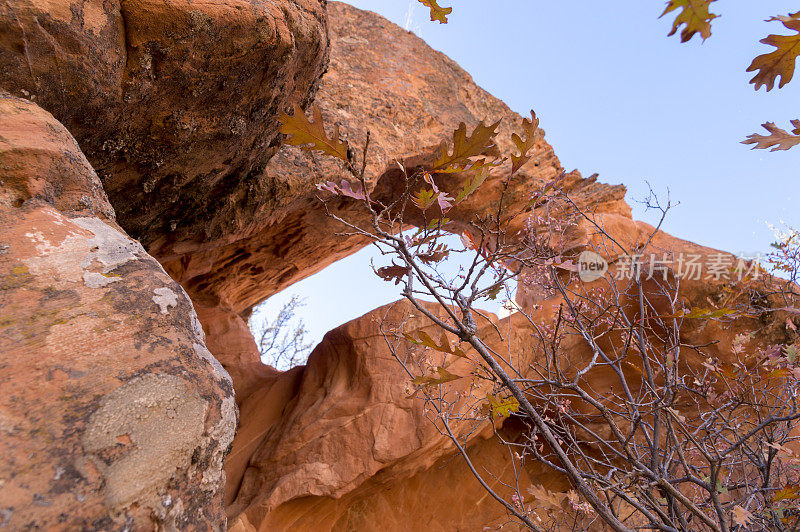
782,451
439,253
741,516
501,408
437,12
393,272
465,147
694,14
309,135
444,377
781,61
786,493
524,146
545,497
345,188
471,185
778,139
427,341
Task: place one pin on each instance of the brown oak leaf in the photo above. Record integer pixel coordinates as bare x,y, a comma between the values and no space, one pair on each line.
694,15
300,131
779,62
778,139
437,12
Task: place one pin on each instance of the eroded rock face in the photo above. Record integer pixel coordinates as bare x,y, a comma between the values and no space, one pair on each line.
340,445
410,97
351,403
312,450
113,413
383,77
174,103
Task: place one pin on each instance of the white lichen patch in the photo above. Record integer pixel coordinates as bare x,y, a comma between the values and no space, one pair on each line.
165,298
164,420
68,248
222,435
108,246
42,243
97,280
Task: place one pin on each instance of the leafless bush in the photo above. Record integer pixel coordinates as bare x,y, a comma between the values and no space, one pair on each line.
282,341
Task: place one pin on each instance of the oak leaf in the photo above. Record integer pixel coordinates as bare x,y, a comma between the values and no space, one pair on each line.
778,139
524,146
782,451
345,188
437,12
469,243
545,497
424,198
443,347
477,164
703,314
430,380
501,408
437,223
727,371
465,147
792,352
470,186
694,15
445,202
786,493
778,373
780,62
438,254
309,135
393,272
741,516
493,291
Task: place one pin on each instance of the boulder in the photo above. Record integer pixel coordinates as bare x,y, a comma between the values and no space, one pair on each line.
114,415
174,103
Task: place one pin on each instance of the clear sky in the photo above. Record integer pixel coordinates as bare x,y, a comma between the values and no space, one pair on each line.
618,97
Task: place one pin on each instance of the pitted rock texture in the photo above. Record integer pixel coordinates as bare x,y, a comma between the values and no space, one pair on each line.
174,103
410,97
114,415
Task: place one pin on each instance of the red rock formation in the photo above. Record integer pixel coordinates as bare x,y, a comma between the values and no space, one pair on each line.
318,456
174,103
411,98
381,76
113,412
345,447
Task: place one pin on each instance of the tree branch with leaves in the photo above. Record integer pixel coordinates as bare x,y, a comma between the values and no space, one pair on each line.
607,384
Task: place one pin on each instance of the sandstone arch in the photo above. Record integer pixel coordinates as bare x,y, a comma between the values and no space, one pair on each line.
181,128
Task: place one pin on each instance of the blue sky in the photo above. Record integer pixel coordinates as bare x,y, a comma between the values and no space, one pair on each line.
618,97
